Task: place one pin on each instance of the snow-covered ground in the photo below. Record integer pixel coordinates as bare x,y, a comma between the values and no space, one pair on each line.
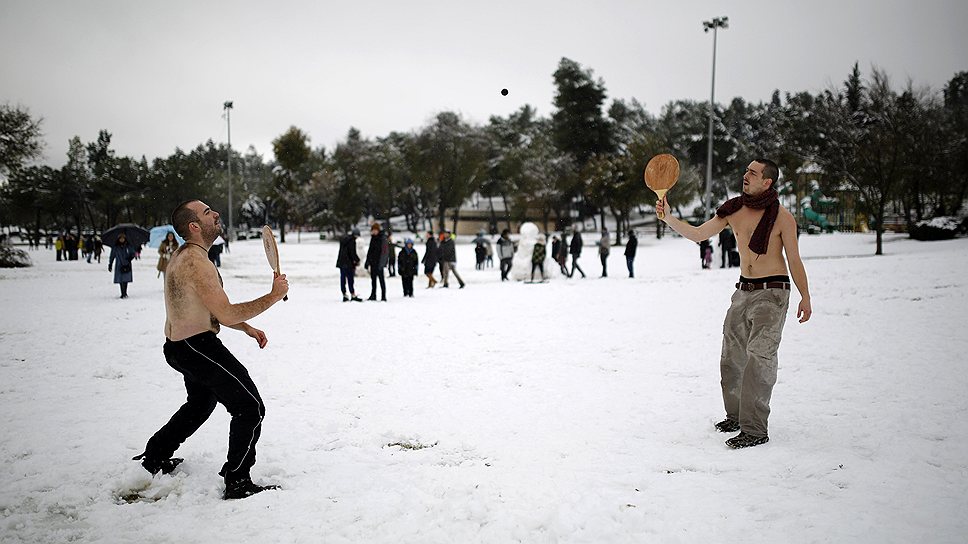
570,411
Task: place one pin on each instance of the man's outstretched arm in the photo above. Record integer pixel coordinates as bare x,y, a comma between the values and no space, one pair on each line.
697,234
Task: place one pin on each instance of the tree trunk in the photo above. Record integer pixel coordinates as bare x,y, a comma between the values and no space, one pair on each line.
456,216
880,227
507,210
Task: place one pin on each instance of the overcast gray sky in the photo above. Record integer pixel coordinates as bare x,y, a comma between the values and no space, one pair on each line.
155,74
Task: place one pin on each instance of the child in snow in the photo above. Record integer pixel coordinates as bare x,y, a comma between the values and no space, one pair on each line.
538,257
407,261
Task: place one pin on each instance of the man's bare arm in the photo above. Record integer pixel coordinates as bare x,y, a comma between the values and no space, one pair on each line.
697,234
212,295
791,246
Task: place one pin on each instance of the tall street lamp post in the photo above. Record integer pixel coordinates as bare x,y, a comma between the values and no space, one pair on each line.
227,106
715,25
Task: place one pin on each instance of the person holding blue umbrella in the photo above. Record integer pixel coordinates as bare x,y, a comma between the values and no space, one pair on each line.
165,250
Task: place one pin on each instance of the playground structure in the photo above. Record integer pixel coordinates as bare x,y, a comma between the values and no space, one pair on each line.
813,210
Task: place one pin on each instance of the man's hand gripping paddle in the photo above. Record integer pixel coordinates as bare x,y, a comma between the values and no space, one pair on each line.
272,251
661,174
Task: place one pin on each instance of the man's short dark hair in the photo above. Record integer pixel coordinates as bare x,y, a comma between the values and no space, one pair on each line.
182,216
770,170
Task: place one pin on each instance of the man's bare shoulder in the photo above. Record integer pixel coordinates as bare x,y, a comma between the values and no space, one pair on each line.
190,260
786,220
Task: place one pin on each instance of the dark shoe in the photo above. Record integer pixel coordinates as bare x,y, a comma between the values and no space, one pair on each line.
346,298
372,297
164,466
743,440
446,286
727,426
245,488
462,286
356,299
383,299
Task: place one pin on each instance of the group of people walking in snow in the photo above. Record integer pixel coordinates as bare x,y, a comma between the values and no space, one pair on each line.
381,254
440,250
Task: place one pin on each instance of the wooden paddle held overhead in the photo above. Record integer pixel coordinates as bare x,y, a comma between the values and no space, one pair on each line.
661,174
272,251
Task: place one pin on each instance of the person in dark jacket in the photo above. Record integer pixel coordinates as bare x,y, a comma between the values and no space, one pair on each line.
448,259
123,253
505,252
377,257
215,255
407,263
347,261
604,248
560,254
392,257
575,250
88,247
727,244
538,257
70,245
706,253
431,254
630,248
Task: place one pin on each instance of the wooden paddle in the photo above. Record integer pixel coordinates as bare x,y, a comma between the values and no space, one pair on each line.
661,174
272,251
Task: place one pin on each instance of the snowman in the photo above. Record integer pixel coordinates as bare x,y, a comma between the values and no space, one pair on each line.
521,265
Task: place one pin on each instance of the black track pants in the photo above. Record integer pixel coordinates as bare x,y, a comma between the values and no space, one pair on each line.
212,375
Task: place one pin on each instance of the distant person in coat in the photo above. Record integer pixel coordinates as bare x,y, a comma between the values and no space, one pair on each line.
560,254
575,251
727,244
448,259
70,246
538,257
122,253
347,261
431,255
505,252
630,248
88,247
392,256
706,253
377,257
98,248
604,248
215,255
407,265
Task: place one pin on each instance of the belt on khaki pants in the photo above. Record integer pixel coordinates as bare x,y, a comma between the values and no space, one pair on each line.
744,286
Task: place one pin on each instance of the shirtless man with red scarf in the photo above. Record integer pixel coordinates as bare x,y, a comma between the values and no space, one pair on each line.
751,332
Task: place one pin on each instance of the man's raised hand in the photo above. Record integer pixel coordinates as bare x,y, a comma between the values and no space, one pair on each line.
280,286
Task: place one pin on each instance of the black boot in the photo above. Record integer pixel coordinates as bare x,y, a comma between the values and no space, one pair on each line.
245,488
154,466
743,440
727,426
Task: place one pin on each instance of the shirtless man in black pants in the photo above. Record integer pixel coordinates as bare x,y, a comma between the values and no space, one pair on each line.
196,306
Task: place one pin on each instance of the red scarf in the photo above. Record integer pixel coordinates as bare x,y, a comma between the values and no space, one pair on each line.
769,200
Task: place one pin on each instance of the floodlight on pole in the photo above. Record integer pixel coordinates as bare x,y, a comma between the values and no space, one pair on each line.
227,106
715,25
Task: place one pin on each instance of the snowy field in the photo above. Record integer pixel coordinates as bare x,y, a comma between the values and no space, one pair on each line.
570,411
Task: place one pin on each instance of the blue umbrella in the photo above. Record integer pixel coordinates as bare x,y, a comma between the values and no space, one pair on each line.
159,233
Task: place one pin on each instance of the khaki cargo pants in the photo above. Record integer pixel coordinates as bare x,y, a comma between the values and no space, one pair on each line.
751,336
